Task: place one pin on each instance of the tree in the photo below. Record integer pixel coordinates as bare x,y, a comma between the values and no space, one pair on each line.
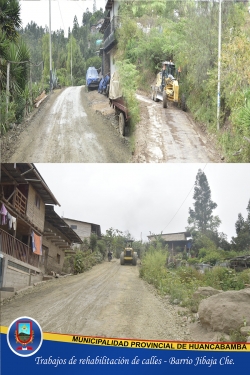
242,241
10,19
201,217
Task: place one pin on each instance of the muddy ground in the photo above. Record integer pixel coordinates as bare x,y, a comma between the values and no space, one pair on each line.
66,129
109,300
170,135
76,126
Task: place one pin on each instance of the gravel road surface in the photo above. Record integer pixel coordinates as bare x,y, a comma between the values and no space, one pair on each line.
65,130
109,300
169,135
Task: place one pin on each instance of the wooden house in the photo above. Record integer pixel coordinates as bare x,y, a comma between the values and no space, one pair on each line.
25,220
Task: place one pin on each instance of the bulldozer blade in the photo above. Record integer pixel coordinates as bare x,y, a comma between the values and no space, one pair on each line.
159,96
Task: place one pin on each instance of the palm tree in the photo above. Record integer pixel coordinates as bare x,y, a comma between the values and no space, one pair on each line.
10,19
14,50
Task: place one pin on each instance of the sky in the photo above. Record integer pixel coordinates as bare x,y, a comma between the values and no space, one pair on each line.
62,12
144,198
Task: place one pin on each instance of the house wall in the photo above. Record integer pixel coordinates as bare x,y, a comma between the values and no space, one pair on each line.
105,63
114,10
53,263
18,274
35,214
83,229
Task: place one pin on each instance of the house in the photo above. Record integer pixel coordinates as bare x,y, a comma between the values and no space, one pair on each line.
177,242
96,28
108,28
84,229
26,252
58,238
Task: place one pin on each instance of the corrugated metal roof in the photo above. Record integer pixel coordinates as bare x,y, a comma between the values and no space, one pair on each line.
54,219
169,237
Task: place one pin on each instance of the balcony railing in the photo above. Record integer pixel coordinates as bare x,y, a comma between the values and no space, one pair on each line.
109,33
17,249
20,202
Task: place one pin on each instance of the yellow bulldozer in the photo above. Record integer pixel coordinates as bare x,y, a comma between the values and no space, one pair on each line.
167,86
128,256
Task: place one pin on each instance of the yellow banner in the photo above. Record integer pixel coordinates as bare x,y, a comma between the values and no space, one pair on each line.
144,344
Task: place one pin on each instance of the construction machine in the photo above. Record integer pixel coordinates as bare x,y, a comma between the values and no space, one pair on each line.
128,256
167,86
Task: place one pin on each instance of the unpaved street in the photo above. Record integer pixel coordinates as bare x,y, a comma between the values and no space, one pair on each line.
66,131
108,300
168,135
76,126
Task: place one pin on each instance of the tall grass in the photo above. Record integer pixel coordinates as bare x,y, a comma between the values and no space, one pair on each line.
181,283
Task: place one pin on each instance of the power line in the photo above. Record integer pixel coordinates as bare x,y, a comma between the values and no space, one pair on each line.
61,14
182,203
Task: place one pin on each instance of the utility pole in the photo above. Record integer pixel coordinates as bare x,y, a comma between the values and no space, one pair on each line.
71,62
8,87
50,54
219,66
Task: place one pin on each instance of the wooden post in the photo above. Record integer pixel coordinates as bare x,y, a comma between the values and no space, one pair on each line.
28,255
31,88
8,87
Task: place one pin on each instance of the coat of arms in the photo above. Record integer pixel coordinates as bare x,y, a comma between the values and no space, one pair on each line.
24,334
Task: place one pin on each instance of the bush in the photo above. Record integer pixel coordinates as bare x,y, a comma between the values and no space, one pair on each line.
226,278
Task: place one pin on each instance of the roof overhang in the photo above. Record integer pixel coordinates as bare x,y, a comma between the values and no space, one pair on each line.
27,173
57,222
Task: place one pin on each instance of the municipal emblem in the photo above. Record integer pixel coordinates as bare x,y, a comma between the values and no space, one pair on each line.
24,336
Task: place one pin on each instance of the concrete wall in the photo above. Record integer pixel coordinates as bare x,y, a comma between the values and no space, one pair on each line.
19,278
35,214
83,229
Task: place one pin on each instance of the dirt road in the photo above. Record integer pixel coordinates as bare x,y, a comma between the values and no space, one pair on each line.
109,300
168,135
66,130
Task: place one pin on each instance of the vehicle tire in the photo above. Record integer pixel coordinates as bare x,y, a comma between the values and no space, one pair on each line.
127,128
164,101
122,258
153,94
107,91
183,103
134,261
122,124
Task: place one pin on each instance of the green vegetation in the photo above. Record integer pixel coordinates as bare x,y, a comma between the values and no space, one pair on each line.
178,274
187,33
94,250
180,283
14,56
27,50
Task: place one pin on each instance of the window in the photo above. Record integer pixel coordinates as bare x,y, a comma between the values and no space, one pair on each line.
58,258
37,201
73,226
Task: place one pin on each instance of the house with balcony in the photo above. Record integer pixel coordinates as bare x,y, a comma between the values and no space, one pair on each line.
26,203
108,29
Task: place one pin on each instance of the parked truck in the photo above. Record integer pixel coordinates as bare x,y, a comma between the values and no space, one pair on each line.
118,102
